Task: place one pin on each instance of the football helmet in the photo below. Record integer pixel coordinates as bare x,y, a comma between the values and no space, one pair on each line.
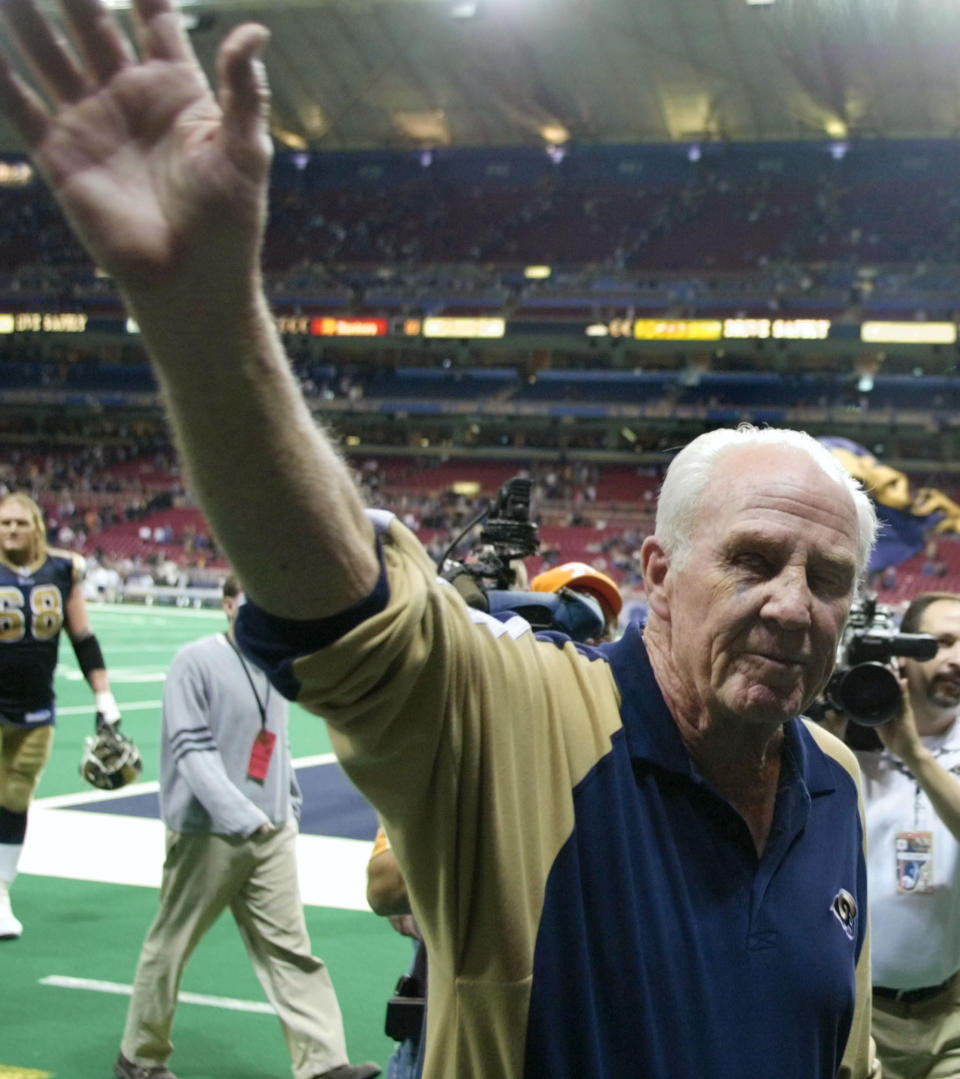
110,759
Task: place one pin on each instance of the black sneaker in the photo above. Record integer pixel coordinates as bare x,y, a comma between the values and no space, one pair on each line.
126,1069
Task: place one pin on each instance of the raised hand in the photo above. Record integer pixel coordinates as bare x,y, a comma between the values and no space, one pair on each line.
166,185
159,178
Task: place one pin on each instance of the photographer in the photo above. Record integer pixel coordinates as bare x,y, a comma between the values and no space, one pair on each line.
912,795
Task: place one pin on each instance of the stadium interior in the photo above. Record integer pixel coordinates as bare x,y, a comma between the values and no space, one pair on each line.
551,239
587,324
485,262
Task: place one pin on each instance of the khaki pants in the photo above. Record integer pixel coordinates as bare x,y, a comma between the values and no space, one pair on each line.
257,879
922,1040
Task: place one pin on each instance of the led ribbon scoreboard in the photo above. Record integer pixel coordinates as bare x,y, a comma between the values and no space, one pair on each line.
491,328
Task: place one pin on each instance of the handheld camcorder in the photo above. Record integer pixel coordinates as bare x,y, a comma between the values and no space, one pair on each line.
486,578
864,687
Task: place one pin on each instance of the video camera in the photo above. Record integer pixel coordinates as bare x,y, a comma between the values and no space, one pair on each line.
863,686
508,533
486,578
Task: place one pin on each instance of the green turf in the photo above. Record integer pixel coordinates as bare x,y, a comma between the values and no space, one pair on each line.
94,931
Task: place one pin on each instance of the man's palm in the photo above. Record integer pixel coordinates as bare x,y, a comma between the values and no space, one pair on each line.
148,167
140,169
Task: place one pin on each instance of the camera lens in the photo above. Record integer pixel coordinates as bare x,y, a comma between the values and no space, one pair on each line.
869,694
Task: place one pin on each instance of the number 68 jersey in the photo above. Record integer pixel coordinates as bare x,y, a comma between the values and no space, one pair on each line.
33,605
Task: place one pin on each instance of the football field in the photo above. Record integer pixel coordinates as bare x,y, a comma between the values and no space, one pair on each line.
87,892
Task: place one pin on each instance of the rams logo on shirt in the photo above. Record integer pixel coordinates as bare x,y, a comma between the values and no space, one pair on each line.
844,906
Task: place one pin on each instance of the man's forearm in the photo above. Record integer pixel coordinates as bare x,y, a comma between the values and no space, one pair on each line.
164,182
279,498
940,786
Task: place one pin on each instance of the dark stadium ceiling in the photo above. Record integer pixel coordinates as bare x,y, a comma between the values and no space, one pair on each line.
366,74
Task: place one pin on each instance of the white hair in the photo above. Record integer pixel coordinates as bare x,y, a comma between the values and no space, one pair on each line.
690,471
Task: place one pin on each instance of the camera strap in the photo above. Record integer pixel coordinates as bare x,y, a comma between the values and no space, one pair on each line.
261,705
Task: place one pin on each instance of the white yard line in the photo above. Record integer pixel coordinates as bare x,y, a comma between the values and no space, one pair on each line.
127,706
61,981
145,611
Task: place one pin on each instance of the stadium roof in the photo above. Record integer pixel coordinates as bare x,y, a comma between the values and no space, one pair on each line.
375,74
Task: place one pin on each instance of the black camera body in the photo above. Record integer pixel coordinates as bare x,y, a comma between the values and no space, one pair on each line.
863,686
486,580
405,1009
507,534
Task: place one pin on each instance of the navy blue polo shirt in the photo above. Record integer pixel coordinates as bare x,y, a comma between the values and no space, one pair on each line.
691,956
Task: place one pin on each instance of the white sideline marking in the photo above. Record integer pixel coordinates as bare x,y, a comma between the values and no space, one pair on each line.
130,676
87,709
110,848
65,801
150,611
61,981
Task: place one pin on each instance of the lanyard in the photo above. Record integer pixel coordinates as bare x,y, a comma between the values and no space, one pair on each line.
919,806
261,705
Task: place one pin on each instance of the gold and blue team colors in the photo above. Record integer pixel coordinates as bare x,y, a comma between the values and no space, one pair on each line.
33,604
592,906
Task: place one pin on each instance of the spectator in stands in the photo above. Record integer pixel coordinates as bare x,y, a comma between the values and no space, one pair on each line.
933,564
912,797
532,794
66,536
231,803
102,582
41,594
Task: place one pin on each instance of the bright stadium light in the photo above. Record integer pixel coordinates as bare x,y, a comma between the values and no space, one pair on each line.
555,134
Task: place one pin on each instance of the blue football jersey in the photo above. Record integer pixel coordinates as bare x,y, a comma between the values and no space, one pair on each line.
33,607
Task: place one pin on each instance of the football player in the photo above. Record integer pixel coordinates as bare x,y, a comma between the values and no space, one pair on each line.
40,594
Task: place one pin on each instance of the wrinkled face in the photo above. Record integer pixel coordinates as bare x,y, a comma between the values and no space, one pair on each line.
937,680
16,531
758,607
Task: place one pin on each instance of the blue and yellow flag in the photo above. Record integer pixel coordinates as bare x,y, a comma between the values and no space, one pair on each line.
908,517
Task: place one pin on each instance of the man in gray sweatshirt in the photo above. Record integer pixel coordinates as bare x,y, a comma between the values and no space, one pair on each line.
231,803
